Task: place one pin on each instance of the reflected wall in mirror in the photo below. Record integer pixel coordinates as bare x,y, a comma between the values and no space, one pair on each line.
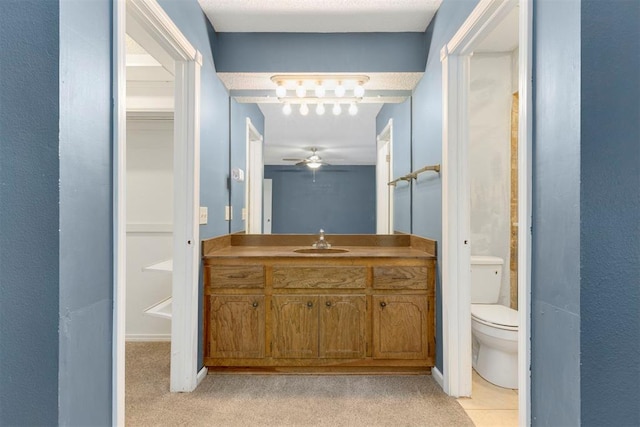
328,171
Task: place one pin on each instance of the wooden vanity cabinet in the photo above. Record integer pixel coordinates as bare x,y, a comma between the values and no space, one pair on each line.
400,326
236,326
311,315
314,326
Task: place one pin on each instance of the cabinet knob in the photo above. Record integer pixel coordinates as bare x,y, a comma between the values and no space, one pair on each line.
328,303
309,304
255,304
383,304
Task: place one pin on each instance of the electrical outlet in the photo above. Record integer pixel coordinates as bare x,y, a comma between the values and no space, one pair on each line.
244,214
204,215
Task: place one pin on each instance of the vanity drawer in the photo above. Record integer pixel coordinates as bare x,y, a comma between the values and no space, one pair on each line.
235,276
300,277
400,277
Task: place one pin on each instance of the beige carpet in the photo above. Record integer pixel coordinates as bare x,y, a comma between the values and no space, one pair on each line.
281,400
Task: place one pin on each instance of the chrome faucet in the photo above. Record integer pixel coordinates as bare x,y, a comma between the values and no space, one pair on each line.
321,243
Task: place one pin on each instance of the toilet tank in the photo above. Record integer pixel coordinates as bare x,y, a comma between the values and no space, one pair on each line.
486,277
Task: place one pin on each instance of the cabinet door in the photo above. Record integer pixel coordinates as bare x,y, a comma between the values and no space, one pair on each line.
342,326
295,326
400,329
236,326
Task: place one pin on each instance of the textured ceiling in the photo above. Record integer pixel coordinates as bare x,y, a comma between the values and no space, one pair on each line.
314,16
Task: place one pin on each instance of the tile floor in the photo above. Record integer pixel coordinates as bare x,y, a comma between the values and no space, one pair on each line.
490,405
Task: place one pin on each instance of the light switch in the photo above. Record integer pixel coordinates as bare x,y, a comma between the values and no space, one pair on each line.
204,215
228,213
244,214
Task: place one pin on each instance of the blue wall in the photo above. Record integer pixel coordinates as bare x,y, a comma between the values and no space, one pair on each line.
239,114
312,52
555,289
214,125
29,254
426,118
86,223
342,200
401,115
214,122
609,209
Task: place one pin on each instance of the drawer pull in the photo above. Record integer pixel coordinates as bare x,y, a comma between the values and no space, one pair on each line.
328,303
255,304
309,304
398,278
237,276
383,304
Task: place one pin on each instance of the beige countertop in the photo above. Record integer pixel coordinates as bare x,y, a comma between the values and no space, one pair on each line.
289,252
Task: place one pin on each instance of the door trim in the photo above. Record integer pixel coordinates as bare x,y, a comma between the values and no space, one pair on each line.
164,39
255,172
385,138
456,294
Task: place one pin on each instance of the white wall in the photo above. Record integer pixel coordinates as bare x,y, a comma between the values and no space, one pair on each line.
489,159
149,224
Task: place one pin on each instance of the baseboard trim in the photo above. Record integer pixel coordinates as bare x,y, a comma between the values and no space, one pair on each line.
437,375
148,337
202,374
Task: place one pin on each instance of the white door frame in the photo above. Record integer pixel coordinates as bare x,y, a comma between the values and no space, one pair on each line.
383,189
267,203
255,173
165,42
456,293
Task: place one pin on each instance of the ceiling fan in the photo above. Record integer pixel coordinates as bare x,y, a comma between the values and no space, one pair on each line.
314,161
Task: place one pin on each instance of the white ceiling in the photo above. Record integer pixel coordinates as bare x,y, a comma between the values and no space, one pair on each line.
320,16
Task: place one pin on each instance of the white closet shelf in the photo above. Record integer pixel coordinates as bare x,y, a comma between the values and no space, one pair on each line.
162,309
165,266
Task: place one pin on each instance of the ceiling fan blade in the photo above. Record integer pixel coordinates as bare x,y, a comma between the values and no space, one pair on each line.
292,160
302,163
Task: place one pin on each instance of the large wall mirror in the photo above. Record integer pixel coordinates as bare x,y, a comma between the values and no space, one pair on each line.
298,168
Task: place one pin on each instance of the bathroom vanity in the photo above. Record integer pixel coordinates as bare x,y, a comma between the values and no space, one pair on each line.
272,303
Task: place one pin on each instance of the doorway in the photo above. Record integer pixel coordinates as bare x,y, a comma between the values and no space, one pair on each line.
384,174
456,242
149,25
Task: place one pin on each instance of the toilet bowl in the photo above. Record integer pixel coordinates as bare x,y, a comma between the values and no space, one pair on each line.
494,328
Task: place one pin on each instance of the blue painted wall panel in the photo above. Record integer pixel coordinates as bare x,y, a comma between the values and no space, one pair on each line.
86,222
214,126
556,212
609,208
29,195
342,200
426,146
327,52
239,114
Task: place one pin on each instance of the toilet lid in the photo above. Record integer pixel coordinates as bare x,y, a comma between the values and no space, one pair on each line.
496,314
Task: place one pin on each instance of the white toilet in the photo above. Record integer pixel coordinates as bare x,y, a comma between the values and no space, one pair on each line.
494,327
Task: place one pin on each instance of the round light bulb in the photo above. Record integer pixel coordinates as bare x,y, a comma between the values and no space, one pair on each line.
353,109
320,109
358,91
301,91
339,90
304,109
281,91
336,109
286,109
320,90
314,165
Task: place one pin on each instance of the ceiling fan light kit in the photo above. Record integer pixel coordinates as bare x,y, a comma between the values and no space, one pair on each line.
319,86
314,161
